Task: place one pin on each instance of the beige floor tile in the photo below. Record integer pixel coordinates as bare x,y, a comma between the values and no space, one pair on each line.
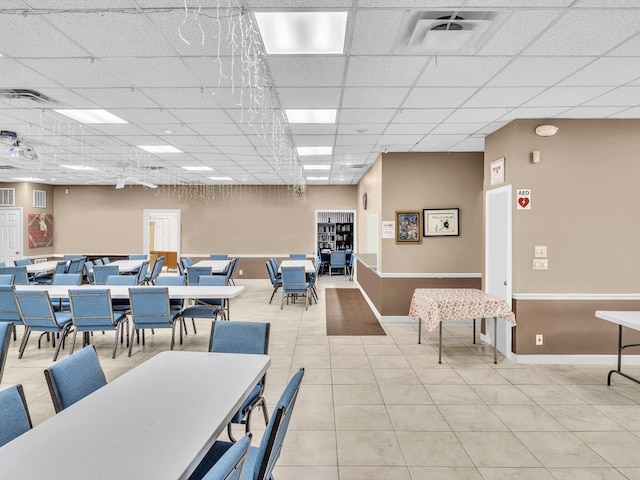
516,473
346,348
357,395
433,449
352,376
388,361
395,376
550,394
405,395
527,418
315,394
501,395
307,448
472,418
444,473
362,417
479,376
524,376
362,448
599,394
424,418
496,450
582,418
629,473
358,360
375,349
314,376
453,395
560,449
439,376
311,472
620,449
590,474
373,473
312,417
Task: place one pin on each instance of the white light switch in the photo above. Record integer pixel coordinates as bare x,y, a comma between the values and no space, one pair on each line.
540,264
540,251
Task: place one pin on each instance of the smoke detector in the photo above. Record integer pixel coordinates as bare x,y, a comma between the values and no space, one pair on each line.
451,33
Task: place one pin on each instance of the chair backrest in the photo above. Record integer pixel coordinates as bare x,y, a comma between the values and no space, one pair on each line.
137,257
273,437
142,272
6,279
70,257
218,257
338,258
150,306
74,377
157,268
14,414
105,260
3,264
8,306
272,275
91,307
35,309
294,279
193,274
229,466
180,268
121,280
21,262
101,272
298,256
88,267
239,337
98,261
187,262
169,280
67,279
213,281
232,268
274,265
76,265
6,329
20,276
61,267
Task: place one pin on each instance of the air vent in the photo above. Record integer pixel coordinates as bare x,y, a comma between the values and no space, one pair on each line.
7,197
153,167
450,33
7,167
40,199
24,94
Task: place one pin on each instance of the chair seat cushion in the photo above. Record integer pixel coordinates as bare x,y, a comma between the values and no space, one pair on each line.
215,453
250,401
200,311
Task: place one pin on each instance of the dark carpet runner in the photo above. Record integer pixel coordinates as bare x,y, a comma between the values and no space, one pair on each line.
348,313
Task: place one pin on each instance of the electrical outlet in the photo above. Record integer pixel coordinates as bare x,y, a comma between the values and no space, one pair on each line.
539,339
540,264
540,251
241,272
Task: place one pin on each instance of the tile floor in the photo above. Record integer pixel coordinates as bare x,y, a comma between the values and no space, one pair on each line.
382,408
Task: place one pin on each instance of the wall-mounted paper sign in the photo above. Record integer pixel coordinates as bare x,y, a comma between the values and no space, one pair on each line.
497,171
389,229
523,199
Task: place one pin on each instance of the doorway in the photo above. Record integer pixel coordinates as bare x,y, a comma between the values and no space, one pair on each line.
335,230
498,261
162,236
10,234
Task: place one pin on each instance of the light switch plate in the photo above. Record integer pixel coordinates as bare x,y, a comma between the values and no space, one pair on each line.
540,264
540,251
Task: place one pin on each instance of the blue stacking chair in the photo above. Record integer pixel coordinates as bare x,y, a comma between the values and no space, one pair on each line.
91,311
338,261
141,274
138,257
5,340
74,377
76,265
47,278
207,307
150,278
150,309
22,262
243,337
6,279
218,257
121,304
88,268
9,312
294,285
37,314
101,272
275,281
261,460
298,256
187,262
175,304
71,279
105,260
14,414
275,266
230,465
99,261
194,273
20,275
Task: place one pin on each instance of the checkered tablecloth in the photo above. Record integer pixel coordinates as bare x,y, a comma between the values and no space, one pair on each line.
434,305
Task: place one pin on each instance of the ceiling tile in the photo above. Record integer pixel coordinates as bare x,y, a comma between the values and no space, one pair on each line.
77,72
374,31
16,75
461,71
396,71
366,115
422,115
309,98
622,96
538,71
409,128
357,139
502,97
373,97
457,128
438,143
533,112
110,98
611,71
476,115
565,96
181,97
368,128
474,144
633,112
306,71
154,72
590,112
438,97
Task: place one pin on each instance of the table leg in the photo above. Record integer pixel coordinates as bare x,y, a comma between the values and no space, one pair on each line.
474,331
618,371
419,330
495,340
440,343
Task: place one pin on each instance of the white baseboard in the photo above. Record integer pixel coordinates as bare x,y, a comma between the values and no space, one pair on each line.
609,360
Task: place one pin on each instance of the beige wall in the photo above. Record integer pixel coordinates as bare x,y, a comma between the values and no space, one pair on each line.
414,181
239,220
371,184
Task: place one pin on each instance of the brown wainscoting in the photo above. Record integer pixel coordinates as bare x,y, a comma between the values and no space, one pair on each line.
392,296
569,327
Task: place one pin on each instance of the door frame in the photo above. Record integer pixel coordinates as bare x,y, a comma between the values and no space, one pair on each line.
147,213
20,239
503,336
337,210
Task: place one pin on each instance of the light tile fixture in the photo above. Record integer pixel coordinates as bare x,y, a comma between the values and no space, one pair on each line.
317,167
78,167
310,151
200,168
159,148
90,115
311,115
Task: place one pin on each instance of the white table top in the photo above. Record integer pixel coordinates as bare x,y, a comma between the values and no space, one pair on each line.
122,291
217,266
127,265
42,267
154,422
629,319
307,264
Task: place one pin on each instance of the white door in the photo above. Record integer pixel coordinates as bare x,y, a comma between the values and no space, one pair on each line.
11,235
498,260
166,231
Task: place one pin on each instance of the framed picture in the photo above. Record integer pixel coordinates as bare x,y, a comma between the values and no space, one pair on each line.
441,222
497,171
408,227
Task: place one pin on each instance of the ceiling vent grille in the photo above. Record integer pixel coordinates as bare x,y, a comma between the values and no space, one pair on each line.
447,33
20,94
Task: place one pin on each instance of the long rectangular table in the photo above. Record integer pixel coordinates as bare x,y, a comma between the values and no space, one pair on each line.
434,305
156,421
307,264
42,267
126,266
629,319
217,266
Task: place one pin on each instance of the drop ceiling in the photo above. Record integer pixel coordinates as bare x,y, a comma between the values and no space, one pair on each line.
536,59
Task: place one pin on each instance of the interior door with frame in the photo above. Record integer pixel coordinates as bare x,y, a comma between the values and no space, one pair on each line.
10,234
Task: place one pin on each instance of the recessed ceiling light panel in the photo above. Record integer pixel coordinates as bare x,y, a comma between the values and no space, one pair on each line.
308,151
317,167
78,167
159,149
311,115
90,115
317,179
291,33
222,179
200,168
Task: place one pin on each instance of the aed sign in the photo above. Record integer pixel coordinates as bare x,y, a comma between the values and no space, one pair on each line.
523,199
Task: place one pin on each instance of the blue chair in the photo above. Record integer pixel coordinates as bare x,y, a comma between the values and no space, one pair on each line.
261,460
350,265
338,261
101,272
99,261
9,312
218,257
194,273
207,307
275,282
47,278
5,340
121,304
37,315
275,267
150,278
22,262
20,276
298,256
76,265
3,264
175,304
187,262
105,260
232,270
74,377
92,311
138,257
70,257
312,278
325,261
88,270
181,269
141,273
14,414
71,279
6,279
294,285
230,465
243,337
150,309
